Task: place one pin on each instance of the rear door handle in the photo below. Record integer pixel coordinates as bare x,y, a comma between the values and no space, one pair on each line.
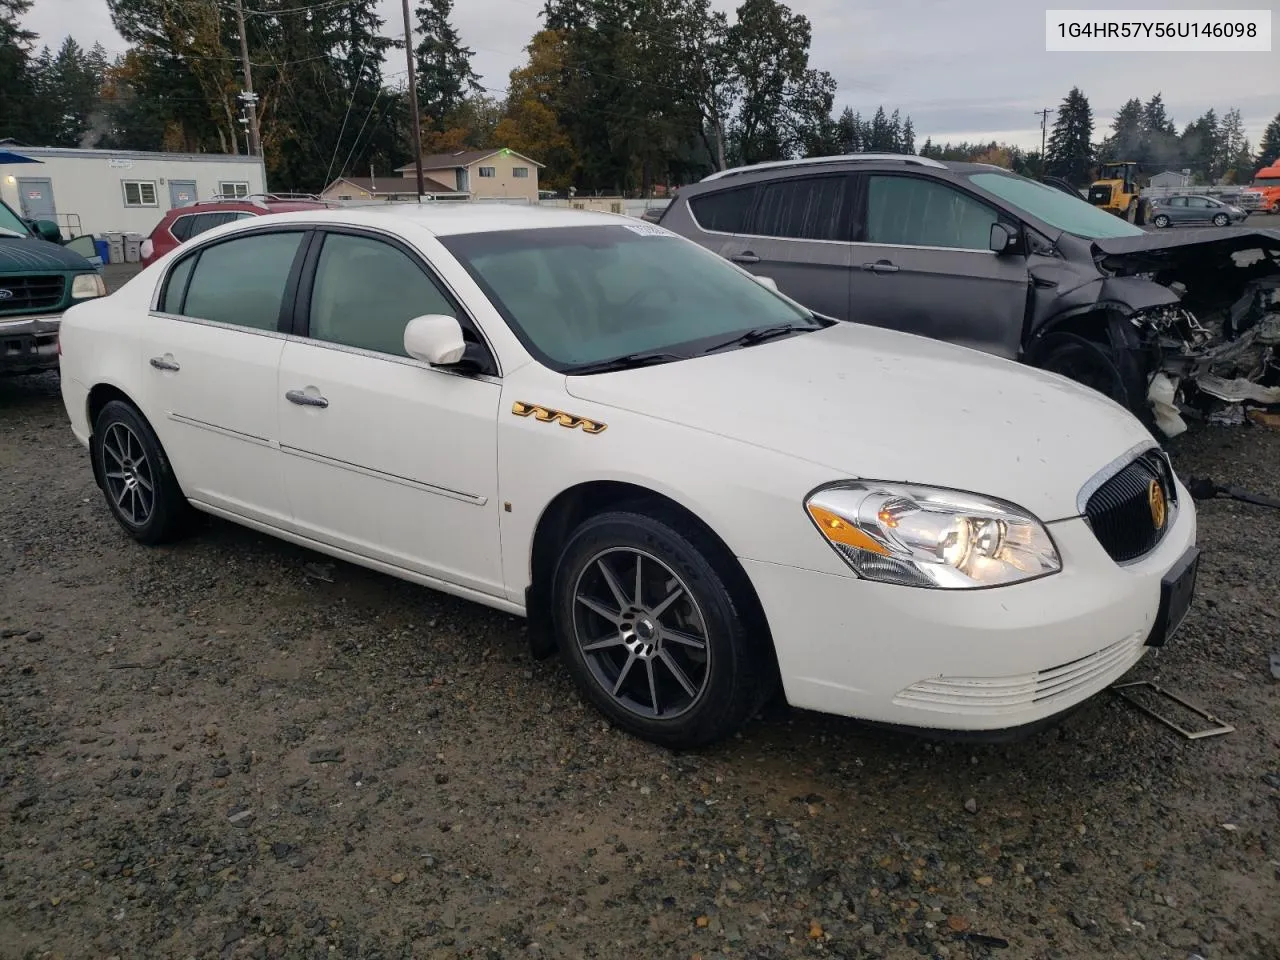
745,257
881,266
304,399
165,363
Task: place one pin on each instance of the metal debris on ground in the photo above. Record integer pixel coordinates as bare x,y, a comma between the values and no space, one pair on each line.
1203,488
318,571
1214,731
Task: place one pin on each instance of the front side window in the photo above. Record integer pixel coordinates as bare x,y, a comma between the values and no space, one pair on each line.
520,173
488,171
917,212
366,291
578,296
139,193
240,281
1057,209
1178,202
810,208
1200,203
724,211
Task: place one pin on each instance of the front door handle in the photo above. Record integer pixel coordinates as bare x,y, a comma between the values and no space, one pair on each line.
745,257
165,363
304,399
881,266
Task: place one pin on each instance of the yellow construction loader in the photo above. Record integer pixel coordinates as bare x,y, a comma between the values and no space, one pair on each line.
1116,191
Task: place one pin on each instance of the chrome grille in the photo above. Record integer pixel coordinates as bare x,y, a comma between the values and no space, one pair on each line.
1120,513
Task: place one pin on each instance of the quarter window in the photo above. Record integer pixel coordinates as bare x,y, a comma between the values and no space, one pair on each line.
724,211
913,211
176,286
242,281
520,173
488,171
139,193
366,291
812,208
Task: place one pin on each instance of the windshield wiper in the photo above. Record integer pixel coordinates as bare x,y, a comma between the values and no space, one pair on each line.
761,334
628,361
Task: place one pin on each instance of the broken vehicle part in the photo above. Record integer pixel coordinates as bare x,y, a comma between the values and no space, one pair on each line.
1217,730
1202,488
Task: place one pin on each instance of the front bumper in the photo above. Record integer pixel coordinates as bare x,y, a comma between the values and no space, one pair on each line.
979,660
29,343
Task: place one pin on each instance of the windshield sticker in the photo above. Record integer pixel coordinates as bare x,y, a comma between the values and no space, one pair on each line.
648,229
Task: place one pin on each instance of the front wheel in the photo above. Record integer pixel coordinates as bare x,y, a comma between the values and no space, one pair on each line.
657,631
1096,365
1221,220
141,491
1161,221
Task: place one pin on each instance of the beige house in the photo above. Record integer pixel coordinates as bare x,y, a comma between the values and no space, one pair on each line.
481,174
387,188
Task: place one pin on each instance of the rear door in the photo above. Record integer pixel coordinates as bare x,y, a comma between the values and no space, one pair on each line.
797,233
210,355
922,263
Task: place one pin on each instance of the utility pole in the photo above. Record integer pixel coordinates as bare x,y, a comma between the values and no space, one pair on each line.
413,102
1044,123
248,96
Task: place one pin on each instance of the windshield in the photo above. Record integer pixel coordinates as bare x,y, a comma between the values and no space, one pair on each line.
1054,207
583,295
11,224
1266,182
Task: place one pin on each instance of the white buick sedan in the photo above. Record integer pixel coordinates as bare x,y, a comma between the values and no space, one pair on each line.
696,490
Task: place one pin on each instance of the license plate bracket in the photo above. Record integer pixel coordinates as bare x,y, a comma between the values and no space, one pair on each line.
1177,587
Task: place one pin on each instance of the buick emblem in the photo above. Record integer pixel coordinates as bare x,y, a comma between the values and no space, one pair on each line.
1155,500
5,294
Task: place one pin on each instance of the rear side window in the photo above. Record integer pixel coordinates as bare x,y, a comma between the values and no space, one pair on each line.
181,228
812,208
242,281
366,291
913,211
724,211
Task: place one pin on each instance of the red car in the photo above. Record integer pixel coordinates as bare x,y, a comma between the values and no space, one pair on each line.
182,223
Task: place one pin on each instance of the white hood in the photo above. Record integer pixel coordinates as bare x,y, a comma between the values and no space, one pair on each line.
874,403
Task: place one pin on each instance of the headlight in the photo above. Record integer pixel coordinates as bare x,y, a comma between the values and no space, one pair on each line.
925,537
87,285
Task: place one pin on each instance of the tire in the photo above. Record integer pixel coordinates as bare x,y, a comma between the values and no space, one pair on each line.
1221,220
1142,216
136,477
1161,221
621,652
1095,365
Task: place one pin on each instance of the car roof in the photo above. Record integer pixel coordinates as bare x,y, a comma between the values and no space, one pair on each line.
446,219
248,206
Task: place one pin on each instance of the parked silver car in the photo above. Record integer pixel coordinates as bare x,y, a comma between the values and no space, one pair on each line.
1194,208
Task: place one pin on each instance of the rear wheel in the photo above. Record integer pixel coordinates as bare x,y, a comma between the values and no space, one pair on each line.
657,632
1221,220
137,480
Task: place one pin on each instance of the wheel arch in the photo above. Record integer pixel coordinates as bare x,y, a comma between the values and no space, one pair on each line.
572,506
100,394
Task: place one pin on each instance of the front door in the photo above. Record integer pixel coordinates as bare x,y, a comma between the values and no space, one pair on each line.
181,192
36,196
384,455
211,354
922,263
798,233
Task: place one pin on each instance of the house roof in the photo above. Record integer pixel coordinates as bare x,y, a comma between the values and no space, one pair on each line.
392,185
461,158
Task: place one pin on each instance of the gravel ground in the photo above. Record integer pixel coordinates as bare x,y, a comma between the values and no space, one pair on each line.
234,748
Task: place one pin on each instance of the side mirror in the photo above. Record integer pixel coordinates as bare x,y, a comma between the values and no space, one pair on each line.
435,339
1003,238
49,230
766,282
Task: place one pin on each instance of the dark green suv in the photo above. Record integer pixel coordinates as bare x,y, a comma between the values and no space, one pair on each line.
39,279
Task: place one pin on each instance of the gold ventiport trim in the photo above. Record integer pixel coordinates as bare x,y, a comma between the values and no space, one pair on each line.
547,415
1156,501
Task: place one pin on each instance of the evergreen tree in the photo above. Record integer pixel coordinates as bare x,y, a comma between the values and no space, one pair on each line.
849,131
880,135
1160,138
1126,141
17,92
1231,142
445,77
1199,146
895,130
1269,149
1069,154
908,142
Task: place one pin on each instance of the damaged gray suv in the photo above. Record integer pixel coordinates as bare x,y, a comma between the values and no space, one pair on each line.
981,257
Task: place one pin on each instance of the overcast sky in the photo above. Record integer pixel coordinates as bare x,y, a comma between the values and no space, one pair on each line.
962,70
